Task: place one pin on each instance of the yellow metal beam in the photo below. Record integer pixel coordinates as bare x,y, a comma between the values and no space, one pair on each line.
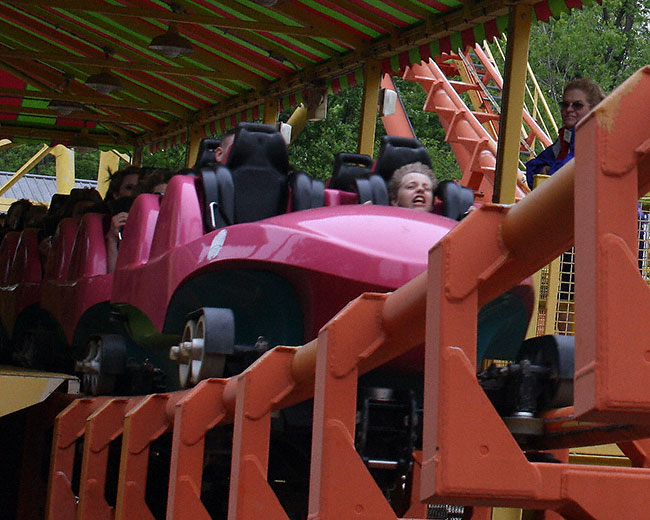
21,388
513,103
65,171
368,123
298,121
5,144
193,150
25,168
270,111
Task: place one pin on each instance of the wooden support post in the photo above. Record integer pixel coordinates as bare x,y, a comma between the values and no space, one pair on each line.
368,123
195,136
513,104
270,111
298,121
65,172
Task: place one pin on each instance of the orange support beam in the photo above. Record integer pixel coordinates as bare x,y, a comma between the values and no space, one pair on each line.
195,414
469,456
102,427
461,429
69,426
142,425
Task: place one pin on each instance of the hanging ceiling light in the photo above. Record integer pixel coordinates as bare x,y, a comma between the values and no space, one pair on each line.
82,142
63,107
104,82
171,44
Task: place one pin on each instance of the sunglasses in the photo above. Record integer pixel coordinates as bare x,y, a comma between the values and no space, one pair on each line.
576,105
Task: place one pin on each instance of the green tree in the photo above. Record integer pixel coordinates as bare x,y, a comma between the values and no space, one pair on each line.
604,42
314,150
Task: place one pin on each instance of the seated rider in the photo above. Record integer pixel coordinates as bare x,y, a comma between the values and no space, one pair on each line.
412,186
579,97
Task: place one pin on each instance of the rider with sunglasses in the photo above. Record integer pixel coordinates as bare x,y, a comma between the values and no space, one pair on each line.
579,97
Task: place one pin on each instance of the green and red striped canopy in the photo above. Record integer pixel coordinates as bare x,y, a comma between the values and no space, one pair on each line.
246,53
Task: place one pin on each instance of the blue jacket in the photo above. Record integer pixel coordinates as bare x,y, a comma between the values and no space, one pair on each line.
549,156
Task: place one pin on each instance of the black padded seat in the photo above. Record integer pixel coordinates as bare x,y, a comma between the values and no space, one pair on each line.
348,167
396,152
456,199
352,172
259,164
306,193
205,156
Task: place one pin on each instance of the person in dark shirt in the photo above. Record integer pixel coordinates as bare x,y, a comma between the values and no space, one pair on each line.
578,98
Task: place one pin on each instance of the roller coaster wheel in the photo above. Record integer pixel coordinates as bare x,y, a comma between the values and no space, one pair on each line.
556,353
208,338
104,362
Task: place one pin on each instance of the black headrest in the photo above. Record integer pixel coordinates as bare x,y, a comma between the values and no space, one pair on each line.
456,199
396,152
347,168
57,202
259,164
258,145
206,154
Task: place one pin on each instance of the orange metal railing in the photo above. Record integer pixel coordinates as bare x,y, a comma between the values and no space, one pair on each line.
469,457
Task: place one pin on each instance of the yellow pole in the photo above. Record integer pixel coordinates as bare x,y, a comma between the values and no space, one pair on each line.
298,121
193,151
25,168
270,111
65,171
371,83
137,156
513,104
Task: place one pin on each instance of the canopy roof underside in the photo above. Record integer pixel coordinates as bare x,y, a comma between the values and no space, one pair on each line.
244,55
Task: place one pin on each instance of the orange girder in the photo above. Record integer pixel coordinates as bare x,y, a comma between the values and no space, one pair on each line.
474,149
469,457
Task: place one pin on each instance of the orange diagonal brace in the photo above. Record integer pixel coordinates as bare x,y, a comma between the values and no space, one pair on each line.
340,485
143,424
461,429
69,426
258,389
612,321
199,411
102,427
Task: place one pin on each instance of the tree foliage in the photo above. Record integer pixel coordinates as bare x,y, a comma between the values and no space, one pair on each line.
606,43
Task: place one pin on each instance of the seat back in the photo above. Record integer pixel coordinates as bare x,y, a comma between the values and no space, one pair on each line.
352,172
306,193
27,265
138,232
456,199
205,156
7,254
58,258
88,257
259,164
396,152
179,219
348,167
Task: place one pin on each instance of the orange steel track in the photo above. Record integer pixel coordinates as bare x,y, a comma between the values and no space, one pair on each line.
468,457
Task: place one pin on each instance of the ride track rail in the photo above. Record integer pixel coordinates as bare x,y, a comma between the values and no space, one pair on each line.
489,252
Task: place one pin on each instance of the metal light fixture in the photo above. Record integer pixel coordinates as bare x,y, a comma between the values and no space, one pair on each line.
63,107
104,82
171,44
82,142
